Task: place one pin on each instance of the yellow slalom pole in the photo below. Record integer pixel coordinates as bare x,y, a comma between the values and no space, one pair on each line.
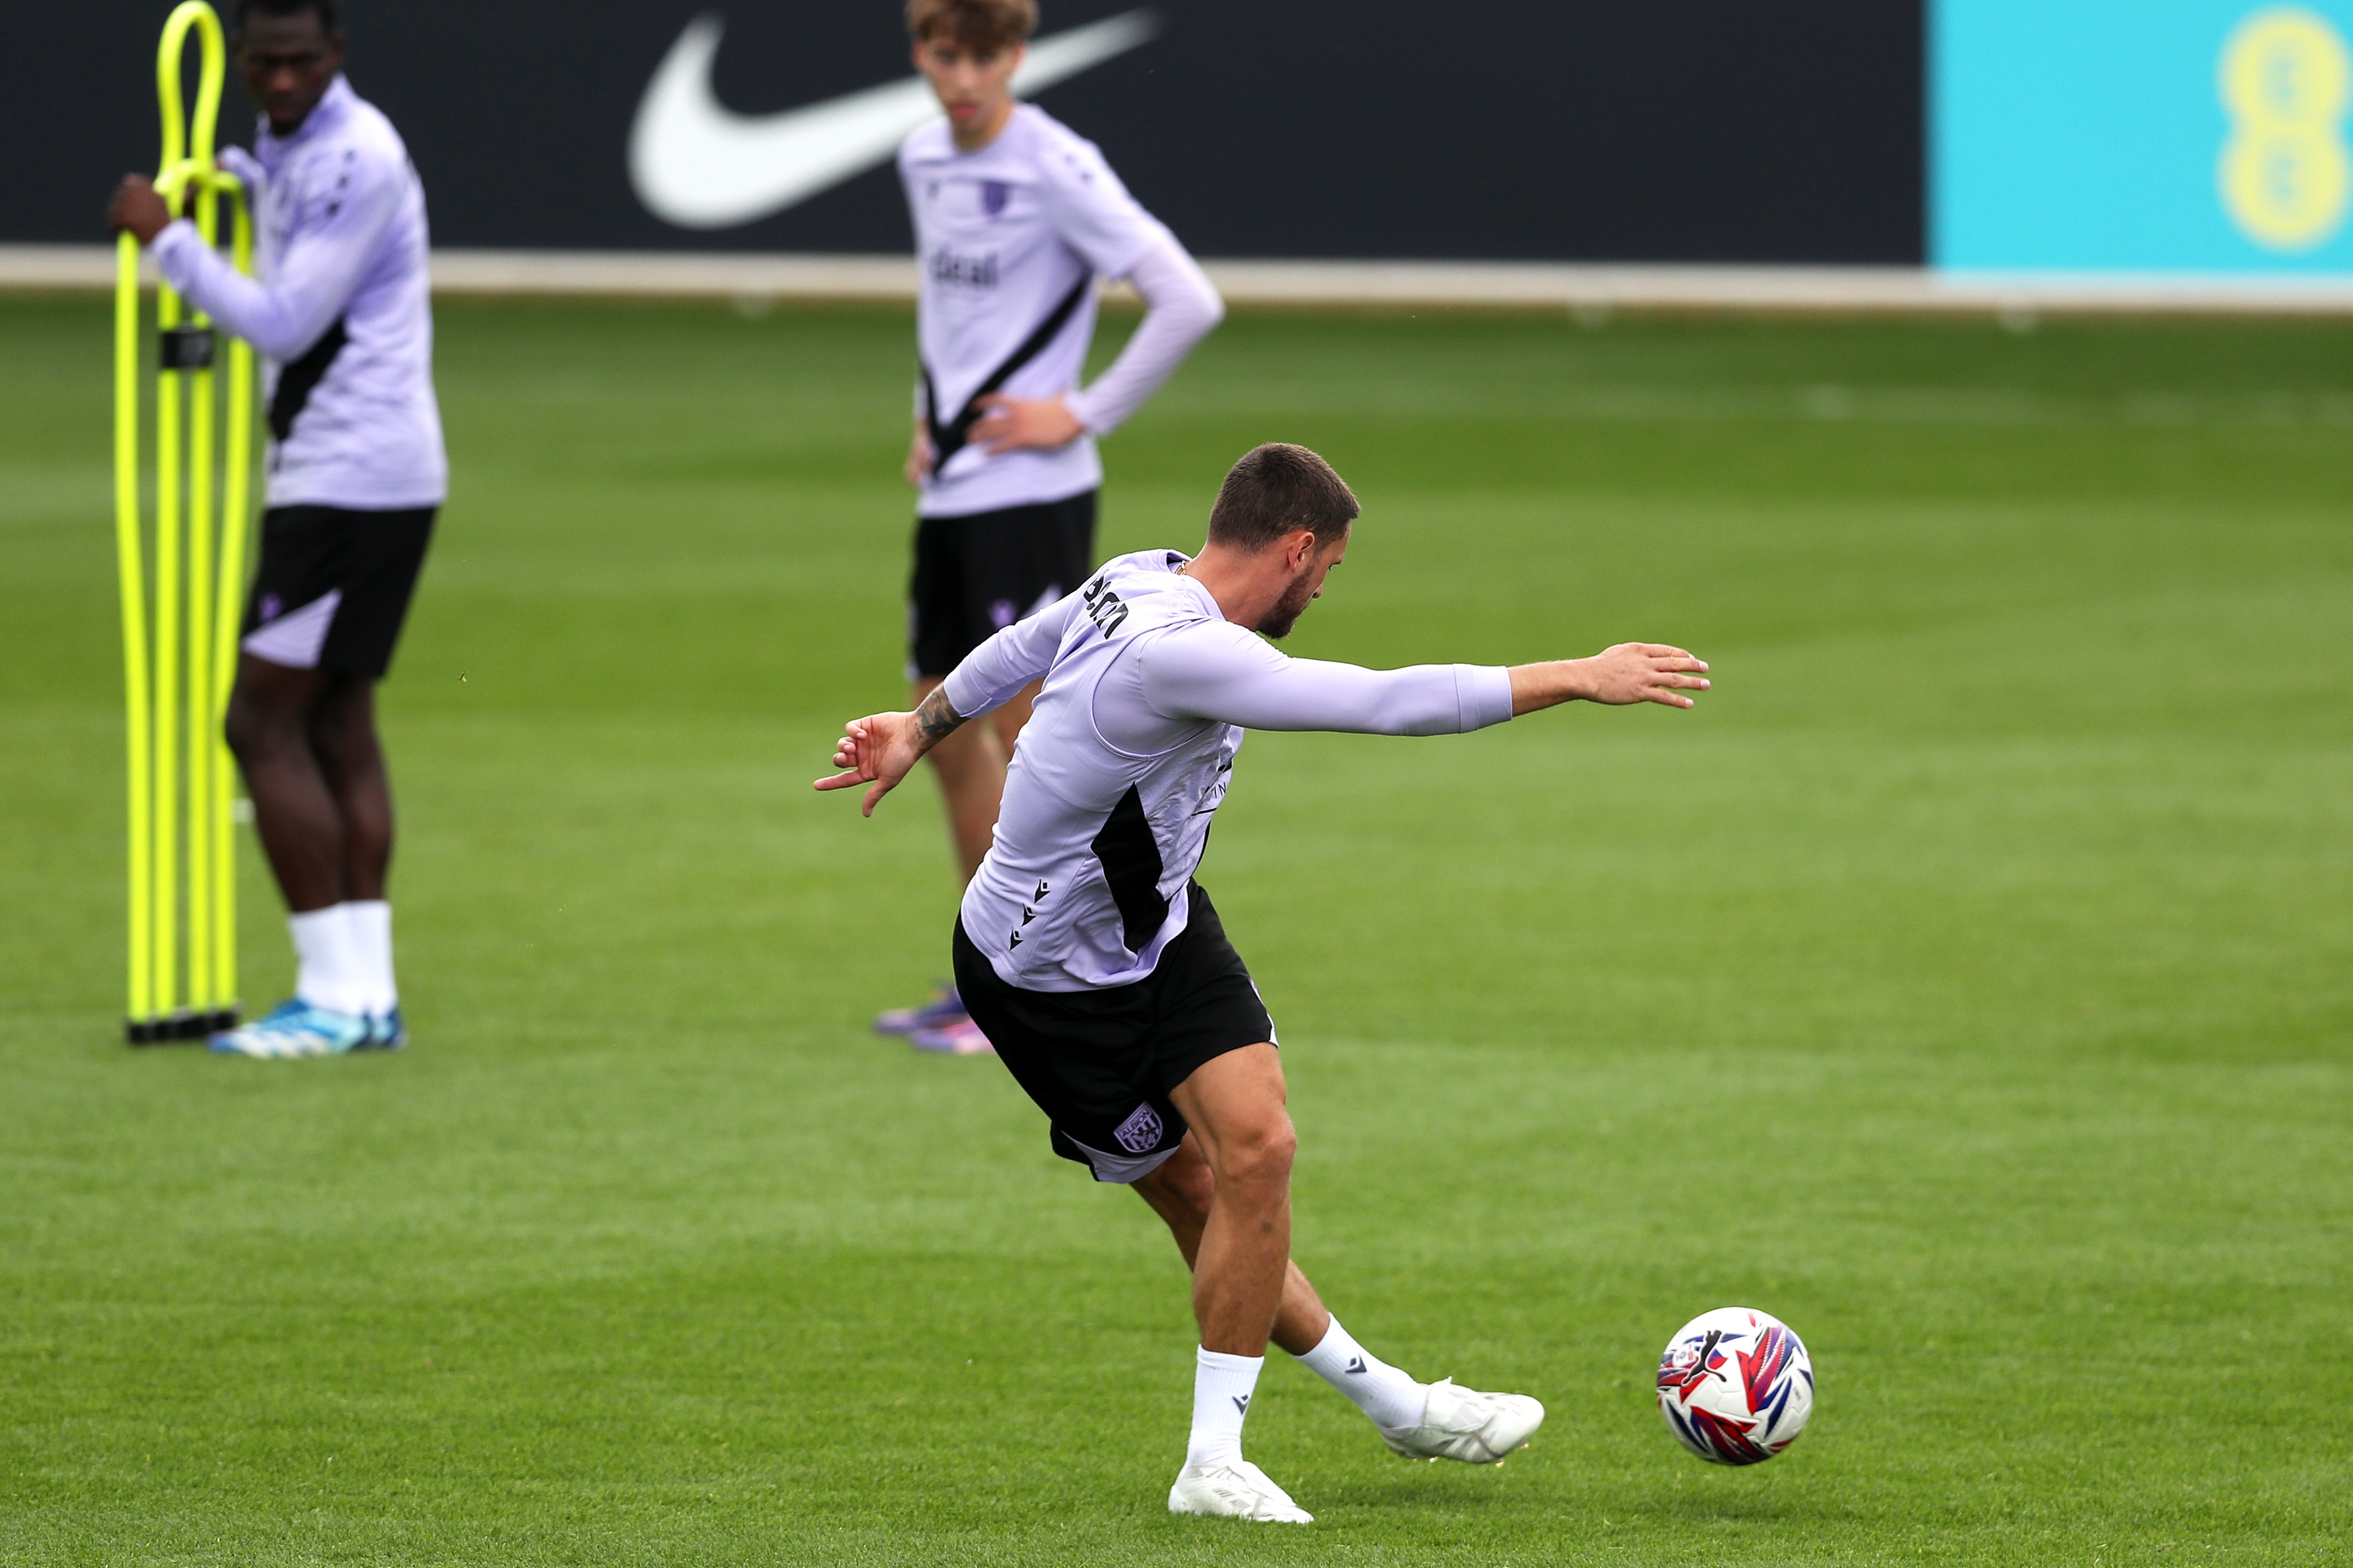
133,571
236,500
164,942
211,65
176,750
211,852
169,589
203,407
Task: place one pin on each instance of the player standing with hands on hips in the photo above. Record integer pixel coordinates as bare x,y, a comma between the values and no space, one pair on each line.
342,316
1099,969
1015,217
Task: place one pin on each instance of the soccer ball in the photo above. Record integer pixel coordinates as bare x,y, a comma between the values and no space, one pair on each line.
1735,1386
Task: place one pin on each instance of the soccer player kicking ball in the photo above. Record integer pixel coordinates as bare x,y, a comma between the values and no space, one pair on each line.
357,474
1097,964
1015,218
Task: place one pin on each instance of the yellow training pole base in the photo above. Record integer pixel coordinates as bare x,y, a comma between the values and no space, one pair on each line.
179,1029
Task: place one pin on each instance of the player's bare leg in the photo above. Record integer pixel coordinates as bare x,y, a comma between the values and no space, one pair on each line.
350,763
1236,1106
1241,1255
305,742
1181,1191
1188,1192
295,809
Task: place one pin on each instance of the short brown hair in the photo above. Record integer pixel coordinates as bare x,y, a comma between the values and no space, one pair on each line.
983,27
1276,491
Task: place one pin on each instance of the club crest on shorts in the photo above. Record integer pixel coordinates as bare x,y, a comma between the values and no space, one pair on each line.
1140,1133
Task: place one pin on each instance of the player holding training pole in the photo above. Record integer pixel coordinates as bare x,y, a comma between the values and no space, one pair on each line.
1098,967
357,474
1015,218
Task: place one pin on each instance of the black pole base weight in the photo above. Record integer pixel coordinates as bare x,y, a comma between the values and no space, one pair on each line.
181,1028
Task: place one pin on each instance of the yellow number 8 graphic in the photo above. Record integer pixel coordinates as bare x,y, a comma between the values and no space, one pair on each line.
2287,80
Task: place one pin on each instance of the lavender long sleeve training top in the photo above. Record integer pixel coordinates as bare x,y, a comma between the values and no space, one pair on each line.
340,310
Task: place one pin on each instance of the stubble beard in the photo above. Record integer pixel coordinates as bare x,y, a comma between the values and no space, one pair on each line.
1277,622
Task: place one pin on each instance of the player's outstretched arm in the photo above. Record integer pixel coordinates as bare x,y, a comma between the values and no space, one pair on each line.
881,749
1631,672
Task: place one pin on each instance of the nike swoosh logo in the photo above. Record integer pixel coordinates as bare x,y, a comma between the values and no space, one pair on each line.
698,164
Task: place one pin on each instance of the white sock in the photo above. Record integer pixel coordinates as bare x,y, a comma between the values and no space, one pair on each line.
1222,1387
325,971
371,927
1381,1391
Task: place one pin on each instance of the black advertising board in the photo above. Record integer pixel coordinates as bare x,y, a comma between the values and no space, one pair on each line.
1732,130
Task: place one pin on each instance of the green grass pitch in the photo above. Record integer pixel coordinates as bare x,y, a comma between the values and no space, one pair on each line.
1967,981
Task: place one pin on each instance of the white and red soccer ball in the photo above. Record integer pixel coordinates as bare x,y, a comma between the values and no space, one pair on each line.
1735,1386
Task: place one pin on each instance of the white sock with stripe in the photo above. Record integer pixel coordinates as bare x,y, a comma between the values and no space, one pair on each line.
1223,1386
1379,1390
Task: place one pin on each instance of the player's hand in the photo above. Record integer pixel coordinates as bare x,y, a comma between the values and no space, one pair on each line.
1631,672
1007,422
138,208
1642,672
878,751
919,458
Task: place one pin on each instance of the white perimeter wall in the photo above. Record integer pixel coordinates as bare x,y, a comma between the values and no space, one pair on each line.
1505,285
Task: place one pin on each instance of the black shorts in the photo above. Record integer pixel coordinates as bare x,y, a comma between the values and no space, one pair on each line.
333,586
1099,1064
975,575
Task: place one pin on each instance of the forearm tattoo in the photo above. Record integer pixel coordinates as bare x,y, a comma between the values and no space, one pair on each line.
934,720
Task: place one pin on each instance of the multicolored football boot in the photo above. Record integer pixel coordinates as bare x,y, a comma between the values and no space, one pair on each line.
385,1032
960,1038
945,1008
295,1028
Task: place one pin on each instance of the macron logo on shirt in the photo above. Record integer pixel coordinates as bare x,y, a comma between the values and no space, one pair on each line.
698,164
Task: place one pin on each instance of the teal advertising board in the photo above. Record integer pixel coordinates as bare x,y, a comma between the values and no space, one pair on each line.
2184,136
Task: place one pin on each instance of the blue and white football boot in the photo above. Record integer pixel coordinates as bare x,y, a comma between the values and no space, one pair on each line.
385,1032
295,1028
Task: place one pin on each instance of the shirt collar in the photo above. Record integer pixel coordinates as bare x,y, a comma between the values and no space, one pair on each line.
1200,589
1003,141
332,106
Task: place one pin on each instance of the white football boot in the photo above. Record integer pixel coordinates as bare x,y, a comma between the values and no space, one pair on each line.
1239,1491
1466,1424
